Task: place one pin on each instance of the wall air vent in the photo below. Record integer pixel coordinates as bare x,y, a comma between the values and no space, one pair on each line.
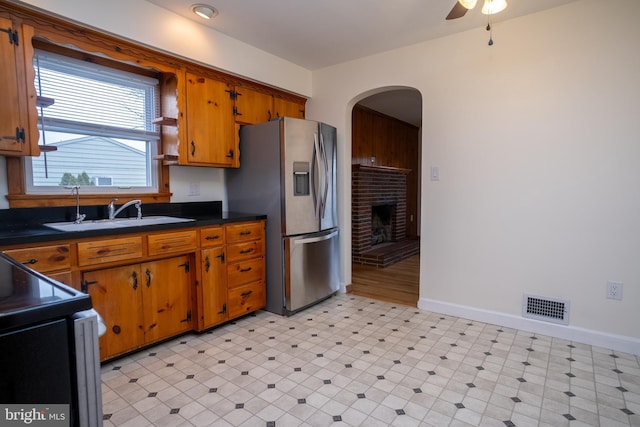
546,309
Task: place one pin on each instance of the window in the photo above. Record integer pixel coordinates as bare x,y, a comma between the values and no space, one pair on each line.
99,121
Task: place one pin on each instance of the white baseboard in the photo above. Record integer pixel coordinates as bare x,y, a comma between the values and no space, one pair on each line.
586,336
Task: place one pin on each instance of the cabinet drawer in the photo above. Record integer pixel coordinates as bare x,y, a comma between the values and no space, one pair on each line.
172,242
213,236
240,251
244,231
247,298
104,251
43,258
243,272
62,276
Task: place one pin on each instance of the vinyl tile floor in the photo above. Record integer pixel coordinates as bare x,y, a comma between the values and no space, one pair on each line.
353,361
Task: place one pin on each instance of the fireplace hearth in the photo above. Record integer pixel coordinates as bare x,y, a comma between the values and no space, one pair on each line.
379,209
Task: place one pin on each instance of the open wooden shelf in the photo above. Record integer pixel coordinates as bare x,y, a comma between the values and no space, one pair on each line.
165,121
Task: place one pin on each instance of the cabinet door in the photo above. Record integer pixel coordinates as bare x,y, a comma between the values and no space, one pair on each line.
167,297
214,287
286,108
210,123
252,106
18,91
116,293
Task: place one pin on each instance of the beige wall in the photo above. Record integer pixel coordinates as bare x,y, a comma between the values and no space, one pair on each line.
537,140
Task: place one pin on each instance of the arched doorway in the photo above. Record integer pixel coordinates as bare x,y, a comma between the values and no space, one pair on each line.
385,184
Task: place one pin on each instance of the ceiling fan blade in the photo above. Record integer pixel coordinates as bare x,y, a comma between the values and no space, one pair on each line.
458,11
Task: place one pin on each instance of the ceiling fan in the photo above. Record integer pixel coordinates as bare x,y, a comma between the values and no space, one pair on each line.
489,7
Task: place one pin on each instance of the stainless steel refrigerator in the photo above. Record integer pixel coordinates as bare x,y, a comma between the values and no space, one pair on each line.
288,172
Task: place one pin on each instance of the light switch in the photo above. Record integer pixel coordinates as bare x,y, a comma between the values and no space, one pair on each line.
435,173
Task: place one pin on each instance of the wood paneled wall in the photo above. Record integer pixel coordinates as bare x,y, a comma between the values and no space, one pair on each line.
393,143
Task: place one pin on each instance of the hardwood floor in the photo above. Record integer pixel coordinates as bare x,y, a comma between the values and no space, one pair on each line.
397,283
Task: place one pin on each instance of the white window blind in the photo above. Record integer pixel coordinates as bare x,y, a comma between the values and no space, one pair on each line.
97,99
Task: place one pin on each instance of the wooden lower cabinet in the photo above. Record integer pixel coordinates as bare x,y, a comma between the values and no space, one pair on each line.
246,268
116,294
246,299
141,303
152,286
52,260
214,287
232,271
167,297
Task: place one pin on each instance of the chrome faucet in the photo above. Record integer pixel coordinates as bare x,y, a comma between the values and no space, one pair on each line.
113,212
79,217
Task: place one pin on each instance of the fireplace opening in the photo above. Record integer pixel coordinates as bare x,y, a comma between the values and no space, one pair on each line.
382,218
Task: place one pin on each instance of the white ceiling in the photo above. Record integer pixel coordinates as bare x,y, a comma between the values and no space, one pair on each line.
318,33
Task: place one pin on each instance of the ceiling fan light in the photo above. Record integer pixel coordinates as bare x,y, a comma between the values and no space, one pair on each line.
204,11
491,7
468,4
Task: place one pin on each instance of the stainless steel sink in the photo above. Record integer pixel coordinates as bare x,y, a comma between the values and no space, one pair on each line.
107,224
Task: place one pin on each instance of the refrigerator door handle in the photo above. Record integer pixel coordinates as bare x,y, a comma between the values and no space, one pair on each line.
325,179
316,167
315,239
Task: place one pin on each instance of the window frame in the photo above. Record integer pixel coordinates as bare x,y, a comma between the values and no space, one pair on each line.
97,127
19,195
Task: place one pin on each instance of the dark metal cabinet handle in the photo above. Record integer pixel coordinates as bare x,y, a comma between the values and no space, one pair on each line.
30,262
207,263
148,273
221,256
244,270
193,148
188,318
245,233
246,251
224,309
84,286
134,276
246,294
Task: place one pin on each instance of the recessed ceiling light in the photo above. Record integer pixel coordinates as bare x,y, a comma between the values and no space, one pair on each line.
204,11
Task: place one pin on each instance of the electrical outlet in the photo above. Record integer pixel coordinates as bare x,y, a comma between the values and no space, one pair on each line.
614,290
194,189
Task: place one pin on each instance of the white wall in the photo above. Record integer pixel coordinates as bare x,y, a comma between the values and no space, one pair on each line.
159,28
537,139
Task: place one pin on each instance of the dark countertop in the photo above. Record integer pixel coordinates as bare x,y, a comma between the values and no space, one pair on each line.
28,297
19,226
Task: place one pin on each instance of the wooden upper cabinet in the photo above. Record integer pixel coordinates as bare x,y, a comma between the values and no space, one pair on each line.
211,138
251,106
285,108
18,114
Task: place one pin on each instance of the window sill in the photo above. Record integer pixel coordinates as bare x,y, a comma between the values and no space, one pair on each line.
49,200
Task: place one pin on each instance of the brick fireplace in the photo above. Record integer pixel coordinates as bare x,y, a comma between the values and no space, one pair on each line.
378,215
